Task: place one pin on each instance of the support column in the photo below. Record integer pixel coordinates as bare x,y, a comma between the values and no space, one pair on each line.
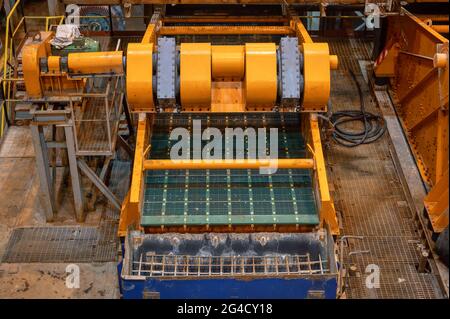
42,167
327,210
55,7
98,182
74,174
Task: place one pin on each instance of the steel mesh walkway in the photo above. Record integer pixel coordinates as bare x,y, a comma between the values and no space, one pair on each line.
229,197
59,244
370,198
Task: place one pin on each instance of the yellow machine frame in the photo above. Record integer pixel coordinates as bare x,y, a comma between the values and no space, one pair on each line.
130,214
317,76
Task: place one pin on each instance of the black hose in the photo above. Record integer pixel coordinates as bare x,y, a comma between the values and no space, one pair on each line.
374,125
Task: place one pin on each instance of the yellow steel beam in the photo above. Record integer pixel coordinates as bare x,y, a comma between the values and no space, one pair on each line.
224,30
301,31
421,26
226,19
327,211
436,204
293,163
149,35
130,212
136,181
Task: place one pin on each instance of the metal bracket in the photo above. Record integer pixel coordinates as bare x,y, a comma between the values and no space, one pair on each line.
166,72
99,183
291,79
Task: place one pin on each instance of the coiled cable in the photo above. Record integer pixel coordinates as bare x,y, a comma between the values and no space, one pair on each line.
374,125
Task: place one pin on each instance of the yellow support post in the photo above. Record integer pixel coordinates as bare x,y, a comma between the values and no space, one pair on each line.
141,138
301,31
131,208
327,210
149,35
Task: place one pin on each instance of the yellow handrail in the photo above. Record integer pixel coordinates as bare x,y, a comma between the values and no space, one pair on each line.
47,19
18,26
5,62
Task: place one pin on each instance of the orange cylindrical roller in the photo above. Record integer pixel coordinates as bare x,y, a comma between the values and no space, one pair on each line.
317,64
195,74
95,62
260,74
53,63
140,77
228,61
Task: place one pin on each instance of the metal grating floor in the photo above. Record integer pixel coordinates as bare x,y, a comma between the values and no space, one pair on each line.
370,198
61,244
229,197
233,266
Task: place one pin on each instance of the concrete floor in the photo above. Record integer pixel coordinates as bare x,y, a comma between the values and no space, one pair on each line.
21,207
48,281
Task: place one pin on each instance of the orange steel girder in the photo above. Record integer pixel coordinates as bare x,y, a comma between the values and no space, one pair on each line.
420,89
436,204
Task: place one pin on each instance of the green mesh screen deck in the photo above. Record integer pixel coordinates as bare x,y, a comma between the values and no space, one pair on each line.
229,197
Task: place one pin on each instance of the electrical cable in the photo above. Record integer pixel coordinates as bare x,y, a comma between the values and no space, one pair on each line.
374,125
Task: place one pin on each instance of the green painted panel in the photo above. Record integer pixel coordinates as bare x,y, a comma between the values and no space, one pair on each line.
224,197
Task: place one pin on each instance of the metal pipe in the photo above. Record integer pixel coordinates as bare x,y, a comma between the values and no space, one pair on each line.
433,17
440,28
96,62
219,30
224,19
294,163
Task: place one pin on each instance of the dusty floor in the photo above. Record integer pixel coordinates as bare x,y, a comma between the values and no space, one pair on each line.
49,281
21,207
